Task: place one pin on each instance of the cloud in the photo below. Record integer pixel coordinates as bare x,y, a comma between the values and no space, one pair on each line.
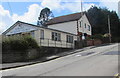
5,19
60,5
52,4
30,16
110,4
72,6
87,6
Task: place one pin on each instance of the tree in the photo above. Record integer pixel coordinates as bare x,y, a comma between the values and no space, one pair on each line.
98,18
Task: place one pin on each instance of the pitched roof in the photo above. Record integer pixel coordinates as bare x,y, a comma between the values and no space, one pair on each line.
4,33
65,18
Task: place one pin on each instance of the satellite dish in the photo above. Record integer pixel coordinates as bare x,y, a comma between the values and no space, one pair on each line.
45,16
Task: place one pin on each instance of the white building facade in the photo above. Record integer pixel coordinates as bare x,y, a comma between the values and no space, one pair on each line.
76,24
45,37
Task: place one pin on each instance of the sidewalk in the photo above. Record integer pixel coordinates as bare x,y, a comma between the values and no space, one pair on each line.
20,64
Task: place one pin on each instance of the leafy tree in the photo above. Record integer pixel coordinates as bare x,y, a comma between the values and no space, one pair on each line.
98,18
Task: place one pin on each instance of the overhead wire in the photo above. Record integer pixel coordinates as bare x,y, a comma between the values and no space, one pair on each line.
10,7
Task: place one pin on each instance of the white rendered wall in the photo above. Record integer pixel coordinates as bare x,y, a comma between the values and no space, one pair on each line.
82,28
51,43
70,27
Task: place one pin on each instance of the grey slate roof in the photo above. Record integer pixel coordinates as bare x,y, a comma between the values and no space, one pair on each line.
65,18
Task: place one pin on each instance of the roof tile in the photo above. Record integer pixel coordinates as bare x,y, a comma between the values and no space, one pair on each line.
65,18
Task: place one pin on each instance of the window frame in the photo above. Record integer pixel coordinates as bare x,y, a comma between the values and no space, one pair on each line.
89,27
80,23
85,25
32,33
69,38
56,36
41,34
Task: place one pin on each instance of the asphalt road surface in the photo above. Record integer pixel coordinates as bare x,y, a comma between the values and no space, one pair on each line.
100,61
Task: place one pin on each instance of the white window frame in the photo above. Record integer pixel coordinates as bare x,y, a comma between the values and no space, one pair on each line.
32,33
56,36
80,23
89,27
69,38
85,25
41,34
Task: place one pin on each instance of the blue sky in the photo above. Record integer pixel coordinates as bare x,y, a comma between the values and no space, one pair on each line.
25,11
18,7
21,7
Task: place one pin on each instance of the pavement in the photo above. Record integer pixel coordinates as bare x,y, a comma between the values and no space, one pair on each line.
99,61
20,64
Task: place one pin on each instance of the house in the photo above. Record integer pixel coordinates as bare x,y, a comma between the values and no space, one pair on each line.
60,32
76,23
45,37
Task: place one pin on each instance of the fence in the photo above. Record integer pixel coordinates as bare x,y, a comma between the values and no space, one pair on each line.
85,43
94,42
80,44
53,43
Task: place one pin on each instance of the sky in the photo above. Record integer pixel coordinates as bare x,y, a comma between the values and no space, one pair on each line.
29,10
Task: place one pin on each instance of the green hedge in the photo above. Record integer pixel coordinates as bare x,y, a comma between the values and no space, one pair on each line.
18,43
97,36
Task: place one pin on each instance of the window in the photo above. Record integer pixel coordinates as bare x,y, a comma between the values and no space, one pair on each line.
69,39
80,23
85,25
56,36
88,27
42,34
32,33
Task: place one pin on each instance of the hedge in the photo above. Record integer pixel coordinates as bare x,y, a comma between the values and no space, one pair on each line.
18,43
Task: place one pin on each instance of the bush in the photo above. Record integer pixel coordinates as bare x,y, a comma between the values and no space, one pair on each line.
19,43
31,42
19,48
97,36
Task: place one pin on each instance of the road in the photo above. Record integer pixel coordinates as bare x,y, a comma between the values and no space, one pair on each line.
99,61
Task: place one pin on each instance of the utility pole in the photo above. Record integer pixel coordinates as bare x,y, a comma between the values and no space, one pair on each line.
83,37
109,28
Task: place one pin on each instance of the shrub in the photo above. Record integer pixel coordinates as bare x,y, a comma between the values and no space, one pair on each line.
18,43
97,36
31,42
19,48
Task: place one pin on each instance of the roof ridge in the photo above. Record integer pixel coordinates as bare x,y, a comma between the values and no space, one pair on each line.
65,18
68,14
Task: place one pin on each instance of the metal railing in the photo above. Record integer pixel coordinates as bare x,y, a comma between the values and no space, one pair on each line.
53,43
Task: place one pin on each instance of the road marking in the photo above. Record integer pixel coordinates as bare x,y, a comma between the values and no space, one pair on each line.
78,55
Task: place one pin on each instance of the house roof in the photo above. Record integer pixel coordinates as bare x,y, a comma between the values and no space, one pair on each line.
65,18
34,26
15,25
